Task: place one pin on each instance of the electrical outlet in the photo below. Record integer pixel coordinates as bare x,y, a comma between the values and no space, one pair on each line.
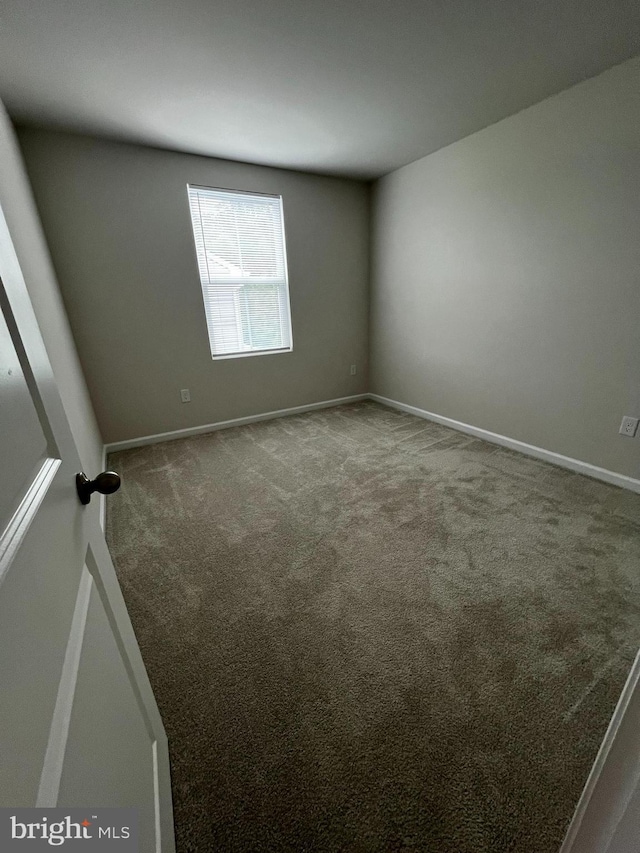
354,369
185,395
628,426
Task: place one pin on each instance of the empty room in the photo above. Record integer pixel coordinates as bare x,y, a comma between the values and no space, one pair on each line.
319,404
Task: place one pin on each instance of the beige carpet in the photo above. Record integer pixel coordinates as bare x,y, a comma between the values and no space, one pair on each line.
367,632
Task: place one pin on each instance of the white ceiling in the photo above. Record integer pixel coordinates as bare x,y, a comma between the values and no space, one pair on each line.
345,87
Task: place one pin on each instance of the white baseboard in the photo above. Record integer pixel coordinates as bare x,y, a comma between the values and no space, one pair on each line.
199,430
576,465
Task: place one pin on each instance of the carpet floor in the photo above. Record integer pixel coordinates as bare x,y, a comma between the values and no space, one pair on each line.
370,633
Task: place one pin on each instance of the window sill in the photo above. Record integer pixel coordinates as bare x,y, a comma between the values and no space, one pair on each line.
252,353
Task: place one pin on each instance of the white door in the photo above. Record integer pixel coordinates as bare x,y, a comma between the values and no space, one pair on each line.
79,725
607,818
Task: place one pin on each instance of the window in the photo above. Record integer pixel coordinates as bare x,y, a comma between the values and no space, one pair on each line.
243,270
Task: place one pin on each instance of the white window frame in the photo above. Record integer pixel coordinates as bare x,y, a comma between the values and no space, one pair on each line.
250,352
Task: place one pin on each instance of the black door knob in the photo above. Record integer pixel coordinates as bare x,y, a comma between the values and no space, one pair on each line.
106,483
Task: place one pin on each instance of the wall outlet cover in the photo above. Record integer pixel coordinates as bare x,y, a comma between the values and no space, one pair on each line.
628,426
185,395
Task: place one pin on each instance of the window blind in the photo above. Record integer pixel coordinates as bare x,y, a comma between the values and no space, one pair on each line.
240,247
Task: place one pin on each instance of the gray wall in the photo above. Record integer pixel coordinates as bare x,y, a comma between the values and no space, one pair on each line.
506,275
117,220
20,212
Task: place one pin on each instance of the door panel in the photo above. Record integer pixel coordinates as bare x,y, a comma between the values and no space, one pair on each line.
36,607
18,417
122,746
